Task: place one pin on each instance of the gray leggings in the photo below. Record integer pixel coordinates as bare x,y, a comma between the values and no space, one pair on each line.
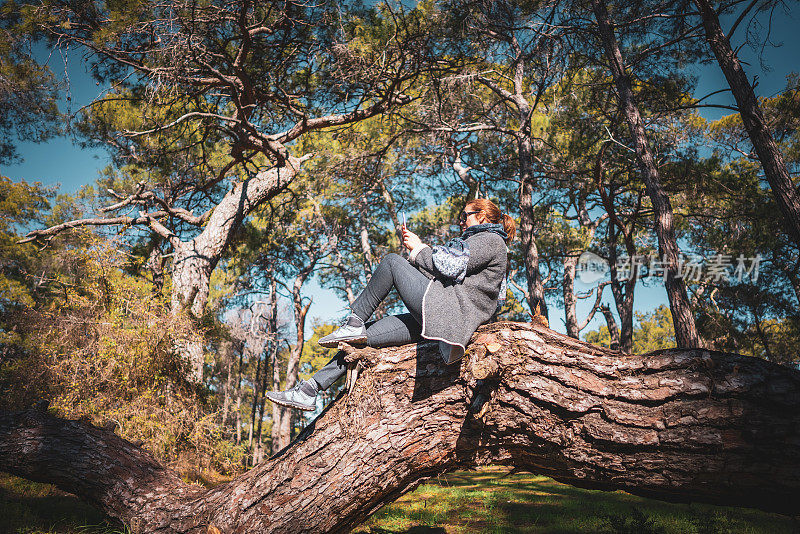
392,271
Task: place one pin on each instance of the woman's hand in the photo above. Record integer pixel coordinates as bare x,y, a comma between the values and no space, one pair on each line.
410,239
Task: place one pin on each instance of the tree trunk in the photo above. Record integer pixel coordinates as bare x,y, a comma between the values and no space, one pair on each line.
195,260
570,315
623,292
676,424
191,272
239,400
366,247
766,148
256,391
611,323
226,351
518,101
279,413
293,364
530,253
683,318
464,174
269,348
155,264
391,207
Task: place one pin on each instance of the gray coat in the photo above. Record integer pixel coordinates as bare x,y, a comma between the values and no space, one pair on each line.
452,311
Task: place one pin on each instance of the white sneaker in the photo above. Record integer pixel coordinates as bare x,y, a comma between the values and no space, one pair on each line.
303,396
352,330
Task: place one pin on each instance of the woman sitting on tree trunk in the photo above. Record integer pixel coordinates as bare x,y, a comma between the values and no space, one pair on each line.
449,291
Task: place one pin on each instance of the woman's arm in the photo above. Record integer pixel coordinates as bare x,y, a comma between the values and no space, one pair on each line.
483,249
415,245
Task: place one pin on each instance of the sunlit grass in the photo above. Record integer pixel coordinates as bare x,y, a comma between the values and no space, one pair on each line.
487,501
483,501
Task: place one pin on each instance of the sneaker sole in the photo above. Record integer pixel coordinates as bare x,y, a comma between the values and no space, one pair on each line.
335,343
291,404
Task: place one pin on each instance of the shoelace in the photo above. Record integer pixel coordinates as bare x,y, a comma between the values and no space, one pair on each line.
298,386
344,321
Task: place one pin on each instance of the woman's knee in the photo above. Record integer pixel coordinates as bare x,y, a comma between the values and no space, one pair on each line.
392,258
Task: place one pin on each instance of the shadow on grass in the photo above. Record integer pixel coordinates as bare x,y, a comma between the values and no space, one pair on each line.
32,508
486,501
412,530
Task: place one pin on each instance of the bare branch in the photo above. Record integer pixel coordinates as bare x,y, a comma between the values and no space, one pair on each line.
111,221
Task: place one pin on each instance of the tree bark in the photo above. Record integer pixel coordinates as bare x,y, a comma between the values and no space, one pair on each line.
279,413
464,174
676,424
239,399
570,262
518,102
570,314
683,318
256,392
766,148
366,247
622,290
270,347
611,323
195,260
527,231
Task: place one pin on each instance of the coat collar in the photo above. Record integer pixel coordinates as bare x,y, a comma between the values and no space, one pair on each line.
485,227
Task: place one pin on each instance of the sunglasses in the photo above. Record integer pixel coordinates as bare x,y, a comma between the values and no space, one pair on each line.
462,217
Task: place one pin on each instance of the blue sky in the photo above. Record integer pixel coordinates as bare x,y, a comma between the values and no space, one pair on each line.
62,161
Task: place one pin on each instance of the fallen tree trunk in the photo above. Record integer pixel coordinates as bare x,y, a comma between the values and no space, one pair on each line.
681,425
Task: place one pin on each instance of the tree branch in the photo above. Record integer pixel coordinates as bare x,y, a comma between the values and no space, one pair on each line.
677,424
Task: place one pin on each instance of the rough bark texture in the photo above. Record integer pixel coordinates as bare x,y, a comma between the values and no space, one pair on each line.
623,291
682,316
530,252
769,154
685,425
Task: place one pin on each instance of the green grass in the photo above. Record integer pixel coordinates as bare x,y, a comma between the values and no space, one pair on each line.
487,501
31,508
482,501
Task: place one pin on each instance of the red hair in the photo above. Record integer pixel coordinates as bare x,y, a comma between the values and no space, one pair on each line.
493,215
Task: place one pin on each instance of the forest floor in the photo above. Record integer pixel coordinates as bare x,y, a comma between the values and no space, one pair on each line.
486,500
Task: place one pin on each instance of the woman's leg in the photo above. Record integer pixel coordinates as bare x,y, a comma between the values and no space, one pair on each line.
394,330
389,331
392,271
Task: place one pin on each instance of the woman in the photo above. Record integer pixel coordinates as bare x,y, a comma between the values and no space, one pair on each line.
449,292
